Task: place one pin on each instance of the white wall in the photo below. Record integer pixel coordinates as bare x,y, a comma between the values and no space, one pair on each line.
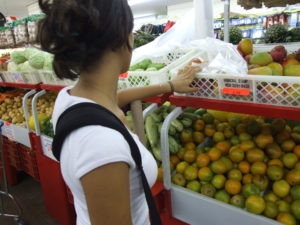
33,8
179,10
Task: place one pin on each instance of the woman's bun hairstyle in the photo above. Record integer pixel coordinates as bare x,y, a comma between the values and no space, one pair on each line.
78,32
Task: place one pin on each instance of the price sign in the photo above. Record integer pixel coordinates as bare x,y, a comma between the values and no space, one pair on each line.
8,131
47,147
123,75
236,91
241,87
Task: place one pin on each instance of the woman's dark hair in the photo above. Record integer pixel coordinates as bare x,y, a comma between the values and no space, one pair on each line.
78,32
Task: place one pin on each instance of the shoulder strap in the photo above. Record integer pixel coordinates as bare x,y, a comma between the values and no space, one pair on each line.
86,114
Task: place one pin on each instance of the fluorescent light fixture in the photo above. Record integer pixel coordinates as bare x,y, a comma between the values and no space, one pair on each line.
136,2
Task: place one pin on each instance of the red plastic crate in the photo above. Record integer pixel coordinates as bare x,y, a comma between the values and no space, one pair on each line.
29,162
11,152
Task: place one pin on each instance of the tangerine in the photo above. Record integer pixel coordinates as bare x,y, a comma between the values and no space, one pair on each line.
190,156
198,137
238,201
233,187
293,177
236,155
202,160
288,145
190,146
286,218
181,167
271,210
261,181
218,136
174,159
290,160
186,136
255,204
209,130
258,168
281,188
214,154
244,167
205,174
275,172
199,125
224,146
275,162
235,174
297,150
218,181
273,151
228,162
190,173
255,155
247,179
180,153
247,145
218,167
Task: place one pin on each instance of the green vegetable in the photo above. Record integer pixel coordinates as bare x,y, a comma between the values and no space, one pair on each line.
48,63
152,131
172,130
28,52
186,122
37,60
157,66
156,117
18,57
48,127
25,67
165,114
178,125
191,116
173,145
157,152
200,112
144,64
151,69
190,109
12,67
159,126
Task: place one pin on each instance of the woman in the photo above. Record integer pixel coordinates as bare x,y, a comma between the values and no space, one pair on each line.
92,40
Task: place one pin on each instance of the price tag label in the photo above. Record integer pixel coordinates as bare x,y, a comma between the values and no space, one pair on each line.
123,75
47,147
238,83
236,91
8,131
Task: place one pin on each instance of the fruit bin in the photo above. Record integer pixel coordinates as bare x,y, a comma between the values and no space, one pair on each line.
11,152
49,77
145,78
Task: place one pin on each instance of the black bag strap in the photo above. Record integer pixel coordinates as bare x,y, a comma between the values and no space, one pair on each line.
94,114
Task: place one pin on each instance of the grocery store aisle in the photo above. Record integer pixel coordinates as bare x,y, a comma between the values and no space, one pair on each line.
29,194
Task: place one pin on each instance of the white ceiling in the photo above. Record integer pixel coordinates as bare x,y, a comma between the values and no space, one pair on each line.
15,7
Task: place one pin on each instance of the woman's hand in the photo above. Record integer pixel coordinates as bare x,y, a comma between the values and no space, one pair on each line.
184,78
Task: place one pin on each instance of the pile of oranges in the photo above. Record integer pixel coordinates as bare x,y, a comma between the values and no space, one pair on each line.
249,162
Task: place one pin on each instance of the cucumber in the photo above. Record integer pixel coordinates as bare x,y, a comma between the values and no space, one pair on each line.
178,125
191,116
159,126
165,114
173,145
152,131
200,112
171,108
157,152
186,122
172,130
156,117
190,109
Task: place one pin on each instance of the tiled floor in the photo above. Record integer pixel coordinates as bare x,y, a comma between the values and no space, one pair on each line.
29,194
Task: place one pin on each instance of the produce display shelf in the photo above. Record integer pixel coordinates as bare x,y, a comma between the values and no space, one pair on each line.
282,112
20,85
160,99
51,87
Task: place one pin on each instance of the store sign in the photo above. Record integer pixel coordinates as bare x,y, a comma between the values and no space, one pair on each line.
8,131
47,147
237,87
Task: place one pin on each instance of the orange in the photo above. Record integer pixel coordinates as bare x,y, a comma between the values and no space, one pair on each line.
228,132
283,136
199,125
261,181
297,150
245,137
224,146
281,188
247,145
236,155
202,160
247,179
218,136
214,154
290,160
190,146
255,204
258,168
275,172
160,174
255,155
273,151
263,140
181,167
174,159
198,137
241,128
205,174
218,167
186,136
293,177
172,167
288,145
209,130
244,167
275,162
233,187
235,174
180,153
286,218
190,173
228,162
190,156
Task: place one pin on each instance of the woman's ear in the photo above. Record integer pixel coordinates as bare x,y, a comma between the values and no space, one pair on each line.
131,40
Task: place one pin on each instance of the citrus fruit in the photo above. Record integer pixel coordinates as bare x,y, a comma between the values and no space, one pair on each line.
255,155
224,146
218,181
218,136
271,210
297,150
174,159
198,137
259,168
247,145
180,167
288,145
199,125
238,201
179,179
160,175
205,174
221,127
295,208
247,178
271,197
180,153
295,192
228,132
281,188
202,160
190,173
261,181
234,121
222,196
218,167
194,185
241,128
275,172
214,154
283,136
227,161
245,137
293,177
273,151
290,160
235,140
235,174
209,130
263,140
190,156
208,118
250,189
233,187
275,162
190,146
283,206
286,218
288,199
297,166
208,190
255,204
186,136
244,167
172,167
236,155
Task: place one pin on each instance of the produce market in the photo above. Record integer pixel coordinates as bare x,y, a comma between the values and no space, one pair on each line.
227,149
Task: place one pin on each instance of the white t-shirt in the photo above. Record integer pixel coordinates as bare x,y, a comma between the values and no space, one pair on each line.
93,146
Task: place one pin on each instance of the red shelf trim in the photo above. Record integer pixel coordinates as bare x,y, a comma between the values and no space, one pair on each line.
238,107
160,99
50,87
19,85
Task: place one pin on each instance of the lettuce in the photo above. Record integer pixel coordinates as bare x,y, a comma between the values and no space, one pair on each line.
18,57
